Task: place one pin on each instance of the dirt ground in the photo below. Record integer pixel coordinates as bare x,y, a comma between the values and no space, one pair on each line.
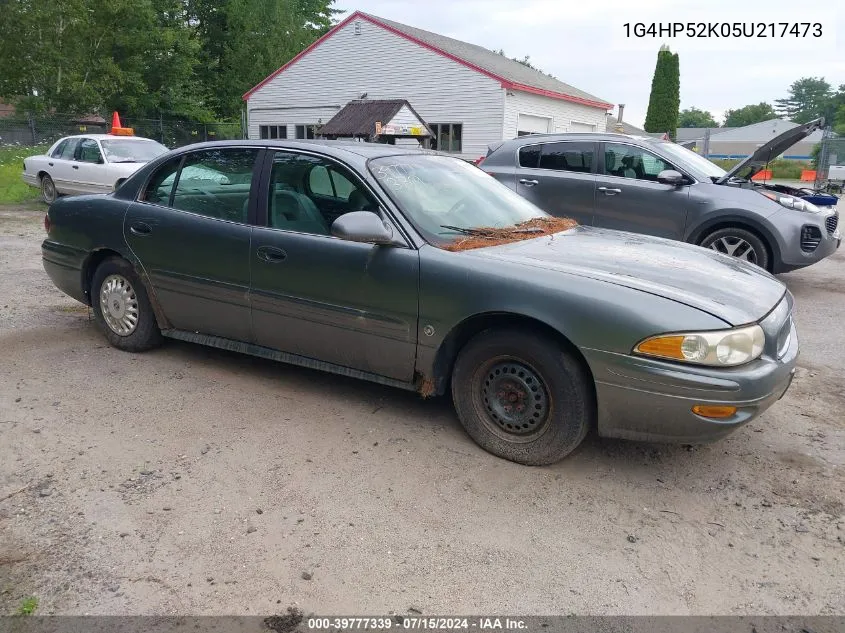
192,480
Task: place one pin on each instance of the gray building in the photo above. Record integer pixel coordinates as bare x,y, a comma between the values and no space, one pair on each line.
739,142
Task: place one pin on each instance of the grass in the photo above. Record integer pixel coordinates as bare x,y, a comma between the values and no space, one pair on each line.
28,606
781,168
12,188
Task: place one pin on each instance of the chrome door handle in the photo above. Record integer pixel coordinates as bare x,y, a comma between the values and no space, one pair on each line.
271,254
609,192
529,183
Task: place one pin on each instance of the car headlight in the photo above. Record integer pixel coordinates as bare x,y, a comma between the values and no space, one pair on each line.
720,348
791,202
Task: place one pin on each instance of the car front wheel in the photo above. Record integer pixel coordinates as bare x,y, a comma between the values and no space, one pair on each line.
738,243
121,307
48,189
522,397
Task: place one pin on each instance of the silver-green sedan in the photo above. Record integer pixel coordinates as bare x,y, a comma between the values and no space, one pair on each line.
420,271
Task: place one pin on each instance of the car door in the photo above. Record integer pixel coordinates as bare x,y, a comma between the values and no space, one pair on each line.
89,167
559,178
190,230
351,304
629,197
60,166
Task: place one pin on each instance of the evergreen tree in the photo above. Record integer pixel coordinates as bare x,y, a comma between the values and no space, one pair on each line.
665,100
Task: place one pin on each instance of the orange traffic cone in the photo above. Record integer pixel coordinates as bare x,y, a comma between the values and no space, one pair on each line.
117,129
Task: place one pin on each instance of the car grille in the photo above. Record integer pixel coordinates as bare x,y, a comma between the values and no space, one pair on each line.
811,236
831,223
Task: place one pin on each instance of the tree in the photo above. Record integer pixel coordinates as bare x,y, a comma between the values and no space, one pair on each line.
750,114
809,98
665,99
693,117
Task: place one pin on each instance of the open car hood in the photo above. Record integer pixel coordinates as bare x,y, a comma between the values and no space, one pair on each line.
771,150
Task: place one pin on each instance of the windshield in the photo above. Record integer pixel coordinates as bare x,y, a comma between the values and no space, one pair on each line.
693,160
447,197
137,151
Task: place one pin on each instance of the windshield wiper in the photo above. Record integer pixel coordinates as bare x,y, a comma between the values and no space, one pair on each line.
488,230
465,230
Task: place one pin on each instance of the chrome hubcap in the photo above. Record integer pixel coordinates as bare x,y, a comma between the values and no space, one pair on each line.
119,305
735,247
48,188
515,398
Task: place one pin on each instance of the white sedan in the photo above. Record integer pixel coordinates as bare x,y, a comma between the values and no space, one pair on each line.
91,163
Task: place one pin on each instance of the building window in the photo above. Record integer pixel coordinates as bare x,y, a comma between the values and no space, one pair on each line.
273,131
305,131
447,136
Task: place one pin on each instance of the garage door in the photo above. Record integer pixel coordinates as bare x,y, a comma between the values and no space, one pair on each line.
575,126
530,124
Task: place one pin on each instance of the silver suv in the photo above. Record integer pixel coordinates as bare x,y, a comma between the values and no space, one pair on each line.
647,185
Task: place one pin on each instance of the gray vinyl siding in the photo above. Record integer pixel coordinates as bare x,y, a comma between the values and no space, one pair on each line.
385,66
562,113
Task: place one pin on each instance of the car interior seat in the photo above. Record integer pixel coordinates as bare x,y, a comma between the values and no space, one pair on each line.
359,202
294,211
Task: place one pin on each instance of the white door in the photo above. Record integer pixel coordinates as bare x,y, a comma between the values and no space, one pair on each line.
61,167
532,124
575,126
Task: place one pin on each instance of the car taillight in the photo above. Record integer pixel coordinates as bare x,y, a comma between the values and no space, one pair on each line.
47,222
478,160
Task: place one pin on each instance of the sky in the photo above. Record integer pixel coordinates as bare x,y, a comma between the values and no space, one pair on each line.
584,43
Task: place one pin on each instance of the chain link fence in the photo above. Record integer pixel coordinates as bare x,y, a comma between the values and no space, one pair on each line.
830,164
31,130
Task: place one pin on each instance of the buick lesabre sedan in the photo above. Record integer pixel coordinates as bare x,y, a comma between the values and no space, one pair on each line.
90,163
419,271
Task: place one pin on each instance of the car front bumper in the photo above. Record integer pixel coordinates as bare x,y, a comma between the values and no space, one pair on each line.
790,225
651,400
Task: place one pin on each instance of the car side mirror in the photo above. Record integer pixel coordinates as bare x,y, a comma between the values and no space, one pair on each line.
670,177
362,226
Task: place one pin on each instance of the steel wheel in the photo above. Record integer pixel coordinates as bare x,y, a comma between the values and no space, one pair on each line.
48,189
515,399
735,247
119,305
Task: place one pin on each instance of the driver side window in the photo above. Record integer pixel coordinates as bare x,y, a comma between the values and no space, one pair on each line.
308,193
627,161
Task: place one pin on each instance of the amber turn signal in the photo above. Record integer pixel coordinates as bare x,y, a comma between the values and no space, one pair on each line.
663,346
713,411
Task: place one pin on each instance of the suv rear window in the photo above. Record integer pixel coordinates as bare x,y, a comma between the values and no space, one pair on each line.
568,156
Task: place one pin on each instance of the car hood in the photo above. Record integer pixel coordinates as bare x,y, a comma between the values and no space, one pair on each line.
735,291
769,151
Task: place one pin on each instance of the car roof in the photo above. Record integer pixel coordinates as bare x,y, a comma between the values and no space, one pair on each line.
580,136
104,137
362,149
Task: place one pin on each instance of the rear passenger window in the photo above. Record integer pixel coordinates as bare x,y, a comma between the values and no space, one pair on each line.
160,185
216,183
529,156
57,153
568,156
69,149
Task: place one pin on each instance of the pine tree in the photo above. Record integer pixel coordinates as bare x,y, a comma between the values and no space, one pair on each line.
665,100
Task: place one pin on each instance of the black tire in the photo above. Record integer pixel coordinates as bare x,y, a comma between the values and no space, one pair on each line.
561,408
145,333
723,239
48,189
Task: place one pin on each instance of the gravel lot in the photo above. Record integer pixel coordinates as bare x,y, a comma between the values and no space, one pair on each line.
192,480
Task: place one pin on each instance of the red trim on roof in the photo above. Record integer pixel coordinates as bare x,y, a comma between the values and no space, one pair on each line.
557,95
505,83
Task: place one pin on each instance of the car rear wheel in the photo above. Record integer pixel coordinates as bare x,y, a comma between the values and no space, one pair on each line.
738,243
122,308
48,189
522,397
